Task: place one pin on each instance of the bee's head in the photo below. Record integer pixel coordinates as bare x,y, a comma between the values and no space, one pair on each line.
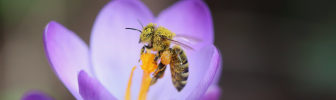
147,33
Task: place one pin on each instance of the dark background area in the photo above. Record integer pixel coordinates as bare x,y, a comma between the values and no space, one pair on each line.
276,49
272,49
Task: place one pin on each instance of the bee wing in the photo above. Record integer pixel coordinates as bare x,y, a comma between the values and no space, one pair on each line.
190,40
180,43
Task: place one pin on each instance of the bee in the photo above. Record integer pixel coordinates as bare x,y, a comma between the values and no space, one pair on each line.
159,39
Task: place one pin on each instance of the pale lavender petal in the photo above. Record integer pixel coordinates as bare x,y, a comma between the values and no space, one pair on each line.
213,93
36,95
116,50
202,69
216,79
191,18
207,78
67,54
91,89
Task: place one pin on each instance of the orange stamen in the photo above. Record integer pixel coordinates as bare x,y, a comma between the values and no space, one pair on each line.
148,63
146,79
128,91
148,66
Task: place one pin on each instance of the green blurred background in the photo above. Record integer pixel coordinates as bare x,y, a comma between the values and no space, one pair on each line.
272,49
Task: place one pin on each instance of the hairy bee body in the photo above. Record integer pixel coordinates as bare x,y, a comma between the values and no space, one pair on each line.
156,37
159,39
179,67
160,44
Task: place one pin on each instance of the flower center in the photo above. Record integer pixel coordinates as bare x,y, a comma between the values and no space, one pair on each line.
148,66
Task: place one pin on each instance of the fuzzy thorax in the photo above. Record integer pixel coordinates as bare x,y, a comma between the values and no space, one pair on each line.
160,34
164,32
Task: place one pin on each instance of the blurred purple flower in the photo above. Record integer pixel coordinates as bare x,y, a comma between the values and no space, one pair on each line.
102,71
35,95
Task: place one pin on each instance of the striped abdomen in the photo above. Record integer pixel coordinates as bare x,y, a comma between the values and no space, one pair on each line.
179,68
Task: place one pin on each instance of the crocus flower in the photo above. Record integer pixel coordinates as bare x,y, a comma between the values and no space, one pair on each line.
102,71
35,95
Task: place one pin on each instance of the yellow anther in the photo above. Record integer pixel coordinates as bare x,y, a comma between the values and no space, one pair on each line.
148,63
148,66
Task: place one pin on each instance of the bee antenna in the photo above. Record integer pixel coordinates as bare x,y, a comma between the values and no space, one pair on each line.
134,29
140,23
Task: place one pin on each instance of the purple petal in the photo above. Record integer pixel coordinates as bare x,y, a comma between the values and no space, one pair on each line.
207,78
202,69
116,50
67,54
216,79
91,89
35,95
191,18
213,93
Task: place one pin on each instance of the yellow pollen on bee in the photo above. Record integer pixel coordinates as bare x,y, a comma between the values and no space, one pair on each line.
146,31
164,31
165,57
148,66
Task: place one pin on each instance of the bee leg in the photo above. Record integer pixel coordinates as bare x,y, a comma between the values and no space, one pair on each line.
144,47
142,51
153,81
158,73
157,56
161,68
148,47
170,50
